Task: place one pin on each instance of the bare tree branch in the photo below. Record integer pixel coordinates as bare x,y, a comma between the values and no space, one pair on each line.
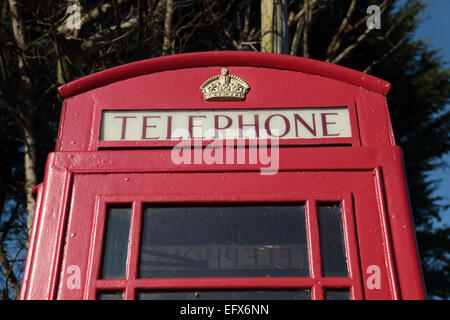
26,107
6,266
9,274
298,31
92,15
99,37
167,41
304,19
217,19
307,24
345,52
141,23
335,42
387,54
245,29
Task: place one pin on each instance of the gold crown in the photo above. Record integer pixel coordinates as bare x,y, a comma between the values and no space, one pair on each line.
224,87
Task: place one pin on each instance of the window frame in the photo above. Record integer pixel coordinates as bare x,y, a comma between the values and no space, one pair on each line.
316,283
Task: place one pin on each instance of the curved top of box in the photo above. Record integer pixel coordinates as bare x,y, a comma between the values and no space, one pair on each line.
225,58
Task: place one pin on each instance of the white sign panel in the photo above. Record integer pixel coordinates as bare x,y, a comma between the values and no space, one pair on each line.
163,125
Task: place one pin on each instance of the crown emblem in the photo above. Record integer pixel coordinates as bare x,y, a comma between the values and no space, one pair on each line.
224,87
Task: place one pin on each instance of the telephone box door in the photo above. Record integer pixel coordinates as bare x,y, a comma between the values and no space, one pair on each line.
233,235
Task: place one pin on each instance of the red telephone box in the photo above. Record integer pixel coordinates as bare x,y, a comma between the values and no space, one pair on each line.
224,175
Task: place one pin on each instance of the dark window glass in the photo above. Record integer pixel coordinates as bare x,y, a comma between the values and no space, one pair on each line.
110,295
227,295
225,241
337,294
116,242
332,248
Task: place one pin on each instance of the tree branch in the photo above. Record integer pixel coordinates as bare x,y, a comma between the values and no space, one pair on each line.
9,273
237,45
26,108
6,266
92,15
99,37
306,27
351,47
345,52
335,42
298,31
387,54
167,41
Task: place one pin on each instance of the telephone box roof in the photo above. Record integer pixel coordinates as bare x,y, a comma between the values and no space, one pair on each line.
225,58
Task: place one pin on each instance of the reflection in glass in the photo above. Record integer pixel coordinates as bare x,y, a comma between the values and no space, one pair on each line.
116,242
224,241
110,295
332,247
336,294
227,295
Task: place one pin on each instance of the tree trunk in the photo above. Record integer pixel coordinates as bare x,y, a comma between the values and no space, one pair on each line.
25,108
30,172
274,26
167,42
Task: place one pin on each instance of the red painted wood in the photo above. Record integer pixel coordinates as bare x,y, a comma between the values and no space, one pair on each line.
315,260
62,166
402,231
180,89
226,58
365,173
179,188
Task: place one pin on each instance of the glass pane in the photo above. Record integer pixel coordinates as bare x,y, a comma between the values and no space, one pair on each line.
332,248
110,295
337,294
225,241
227,295
116,242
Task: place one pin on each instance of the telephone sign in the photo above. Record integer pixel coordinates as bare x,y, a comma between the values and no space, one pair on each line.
306,123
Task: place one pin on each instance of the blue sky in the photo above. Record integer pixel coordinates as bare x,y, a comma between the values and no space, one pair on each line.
436,28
